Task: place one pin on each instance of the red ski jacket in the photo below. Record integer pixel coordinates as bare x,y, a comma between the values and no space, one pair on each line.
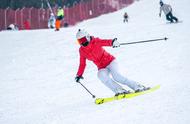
94,52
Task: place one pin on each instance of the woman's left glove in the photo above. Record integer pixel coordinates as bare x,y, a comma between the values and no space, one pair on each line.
115,43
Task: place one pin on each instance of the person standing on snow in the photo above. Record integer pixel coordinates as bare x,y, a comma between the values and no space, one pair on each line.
125,16
91,48
51,21
60,16
167,9
27,24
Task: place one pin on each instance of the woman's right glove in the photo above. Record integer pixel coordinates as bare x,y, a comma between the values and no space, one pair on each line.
115,43
77,78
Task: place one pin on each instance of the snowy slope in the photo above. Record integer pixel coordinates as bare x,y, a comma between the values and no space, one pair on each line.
37,70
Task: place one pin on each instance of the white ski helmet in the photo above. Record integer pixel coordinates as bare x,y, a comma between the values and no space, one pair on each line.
82,36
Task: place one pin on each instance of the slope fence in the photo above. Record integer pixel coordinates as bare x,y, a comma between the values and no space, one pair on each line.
38,18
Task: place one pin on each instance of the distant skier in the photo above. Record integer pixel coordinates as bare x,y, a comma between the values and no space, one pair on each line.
27,24
91,48
167,9
51,21
125,16
60,16
13,27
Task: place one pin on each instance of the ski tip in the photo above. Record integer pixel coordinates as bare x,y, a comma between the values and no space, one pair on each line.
99,101
155,87
158,86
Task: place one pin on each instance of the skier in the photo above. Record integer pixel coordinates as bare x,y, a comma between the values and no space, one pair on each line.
13,27
51,21
125,16
60,16
27,24
167,9
91,48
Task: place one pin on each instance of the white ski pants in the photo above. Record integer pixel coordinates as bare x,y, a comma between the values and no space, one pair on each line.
110,76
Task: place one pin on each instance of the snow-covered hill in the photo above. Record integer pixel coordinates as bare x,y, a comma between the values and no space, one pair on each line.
37,70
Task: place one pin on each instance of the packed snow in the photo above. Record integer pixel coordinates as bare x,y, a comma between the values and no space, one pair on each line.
37,70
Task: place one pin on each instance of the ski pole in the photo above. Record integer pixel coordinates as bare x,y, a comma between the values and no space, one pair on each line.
49,6
143,41
93,96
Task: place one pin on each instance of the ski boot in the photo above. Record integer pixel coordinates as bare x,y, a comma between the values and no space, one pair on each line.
125,92
141,88
122,94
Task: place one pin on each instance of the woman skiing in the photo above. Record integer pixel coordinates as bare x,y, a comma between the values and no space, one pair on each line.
91,48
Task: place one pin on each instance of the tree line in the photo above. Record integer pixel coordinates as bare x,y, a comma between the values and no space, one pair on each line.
15,4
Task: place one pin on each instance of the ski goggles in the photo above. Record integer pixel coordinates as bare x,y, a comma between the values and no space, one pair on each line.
82,40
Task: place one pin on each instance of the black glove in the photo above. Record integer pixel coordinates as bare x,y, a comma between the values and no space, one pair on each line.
114,40
77,78
115,43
